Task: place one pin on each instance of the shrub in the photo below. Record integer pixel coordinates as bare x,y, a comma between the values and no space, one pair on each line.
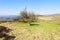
27,17
3,33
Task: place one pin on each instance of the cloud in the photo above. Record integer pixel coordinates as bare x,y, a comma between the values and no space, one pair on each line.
8,12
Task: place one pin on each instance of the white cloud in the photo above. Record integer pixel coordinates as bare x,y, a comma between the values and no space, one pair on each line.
8,12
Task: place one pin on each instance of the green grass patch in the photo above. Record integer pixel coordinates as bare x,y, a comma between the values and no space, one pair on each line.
44,30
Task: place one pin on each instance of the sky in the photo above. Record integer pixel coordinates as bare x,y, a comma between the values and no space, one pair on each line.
41,7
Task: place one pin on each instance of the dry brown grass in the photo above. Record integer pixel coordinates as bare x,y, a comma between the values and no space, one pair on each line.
24,33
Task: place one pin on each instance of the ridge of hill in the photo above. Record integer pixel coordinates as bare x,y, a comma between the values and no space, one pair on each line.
54,17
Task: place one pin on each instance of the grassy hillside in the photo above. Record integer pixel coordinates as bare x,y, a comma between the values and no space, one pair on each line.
43,31
47,28
54,17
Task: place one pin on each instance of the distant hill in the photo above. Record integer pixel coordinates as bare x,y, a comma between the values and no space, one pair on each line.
55,17
41,17
8,18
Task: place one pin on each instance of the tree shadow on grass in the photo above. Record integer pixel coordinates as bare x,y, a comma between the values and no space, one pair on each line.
4,33
34,24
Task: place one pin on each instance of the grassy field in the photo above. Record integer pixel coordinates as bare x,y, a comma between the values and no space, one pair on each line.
43,31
